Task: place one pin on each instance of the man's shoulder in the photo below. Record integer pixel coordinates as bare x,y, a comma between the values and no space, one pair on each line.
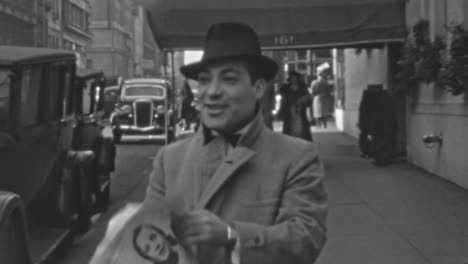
288,145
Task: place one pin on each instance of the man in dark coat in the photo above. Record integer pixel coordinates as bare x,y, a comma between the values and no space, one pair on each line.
378,125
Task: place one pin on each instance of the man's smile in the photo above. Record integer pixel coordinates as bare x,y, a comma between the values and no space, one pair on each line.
215,108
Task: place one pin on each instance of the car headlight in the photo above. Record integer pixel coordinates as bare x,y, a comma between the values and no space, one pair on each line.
126,109
160,109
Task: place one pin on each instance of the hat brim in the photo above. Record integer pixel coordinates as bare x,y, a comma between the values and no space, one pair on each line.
267,68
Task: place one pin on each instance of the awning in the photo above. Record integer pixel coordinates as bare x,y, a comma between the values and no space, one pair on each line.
281,24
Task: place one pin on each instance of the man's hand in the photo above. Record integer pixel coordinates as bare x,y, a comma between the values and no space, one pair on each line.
200,227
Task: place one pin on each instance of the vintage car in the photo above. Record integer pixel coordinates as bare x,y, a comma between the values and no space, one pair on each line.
55,161
145,107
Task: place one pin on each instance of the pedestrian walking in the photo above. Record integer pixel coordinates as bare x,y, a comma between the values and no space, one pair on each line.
247,194
188,108
293,109
321,92
377,124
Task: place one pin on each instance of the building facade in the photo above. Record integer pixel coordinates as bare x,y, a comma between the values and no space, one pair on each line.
427,109
76,31
148,58
112,26
23,22
431,109
68,28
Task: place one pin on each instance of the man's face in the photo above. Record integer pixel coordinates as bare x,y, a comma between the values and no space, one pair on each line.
227,96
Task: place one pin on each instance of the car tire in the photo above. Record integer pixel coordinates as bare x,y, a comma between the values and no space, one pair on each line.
117,136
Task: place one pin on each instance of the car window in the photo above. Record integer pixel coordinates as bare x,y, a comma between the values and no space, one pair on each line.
53,93
4,98
69,99
31,80
144,90
86,100
111,96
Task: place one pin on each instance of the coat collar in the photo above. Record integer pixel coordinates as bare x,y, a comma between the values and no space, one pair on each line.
236,158
248,136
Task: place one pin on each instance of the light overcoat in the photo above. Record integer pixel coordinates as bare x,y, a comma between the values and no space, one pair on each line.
269,188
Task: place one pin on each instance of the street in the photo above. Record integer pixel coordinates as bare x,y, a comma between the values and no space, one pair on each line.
133,164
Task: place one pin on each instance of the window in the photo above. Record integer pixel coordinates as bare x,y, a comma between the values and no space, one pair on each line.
53,93
69,100
87,104
4,98
31,80
302,55
302,67
144,90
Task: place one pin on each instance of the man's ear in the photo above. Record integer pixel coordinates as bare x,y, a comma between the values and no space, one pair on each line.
260,86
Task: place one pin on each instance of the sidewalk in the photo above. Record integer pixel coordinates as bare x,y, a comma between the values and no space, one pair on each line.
397,214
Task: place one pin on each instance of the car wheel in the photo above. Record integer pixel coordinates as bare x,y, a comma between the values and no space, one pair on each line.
117,136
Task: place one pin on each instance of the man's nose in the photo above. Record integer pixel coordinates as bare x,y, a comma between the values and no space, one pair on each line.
213,89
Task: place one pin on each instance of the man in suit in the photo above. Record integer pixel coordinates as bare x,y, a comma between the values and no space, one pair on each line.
245,194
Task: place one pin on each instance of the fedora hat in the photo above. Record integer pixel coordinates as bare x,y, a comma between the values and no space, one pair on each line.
232,41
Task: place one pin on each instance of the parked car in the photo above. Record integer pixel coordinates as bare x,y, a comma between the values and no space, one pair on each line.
53,158
145,107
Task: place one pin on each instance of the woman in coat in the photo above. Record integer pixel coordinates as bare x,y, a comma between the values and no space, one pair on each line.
321,92
294,98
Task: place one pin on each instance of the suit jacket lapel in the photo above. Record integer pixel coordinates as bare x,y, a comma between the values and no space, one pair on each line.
238,157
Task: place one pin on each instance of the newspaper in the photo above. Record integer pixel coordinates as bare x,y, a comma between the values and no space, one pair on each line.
140,235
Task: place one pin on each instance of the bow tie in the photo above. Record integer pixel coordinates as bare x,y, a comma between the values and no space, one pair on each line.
232,139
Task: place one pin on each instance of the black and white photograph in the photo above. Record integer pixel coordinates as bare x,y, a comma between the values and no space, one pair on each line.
233,131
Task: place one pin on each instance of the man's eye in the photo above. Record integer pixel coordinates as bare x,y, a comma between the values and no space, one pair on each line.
203,78
230,79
